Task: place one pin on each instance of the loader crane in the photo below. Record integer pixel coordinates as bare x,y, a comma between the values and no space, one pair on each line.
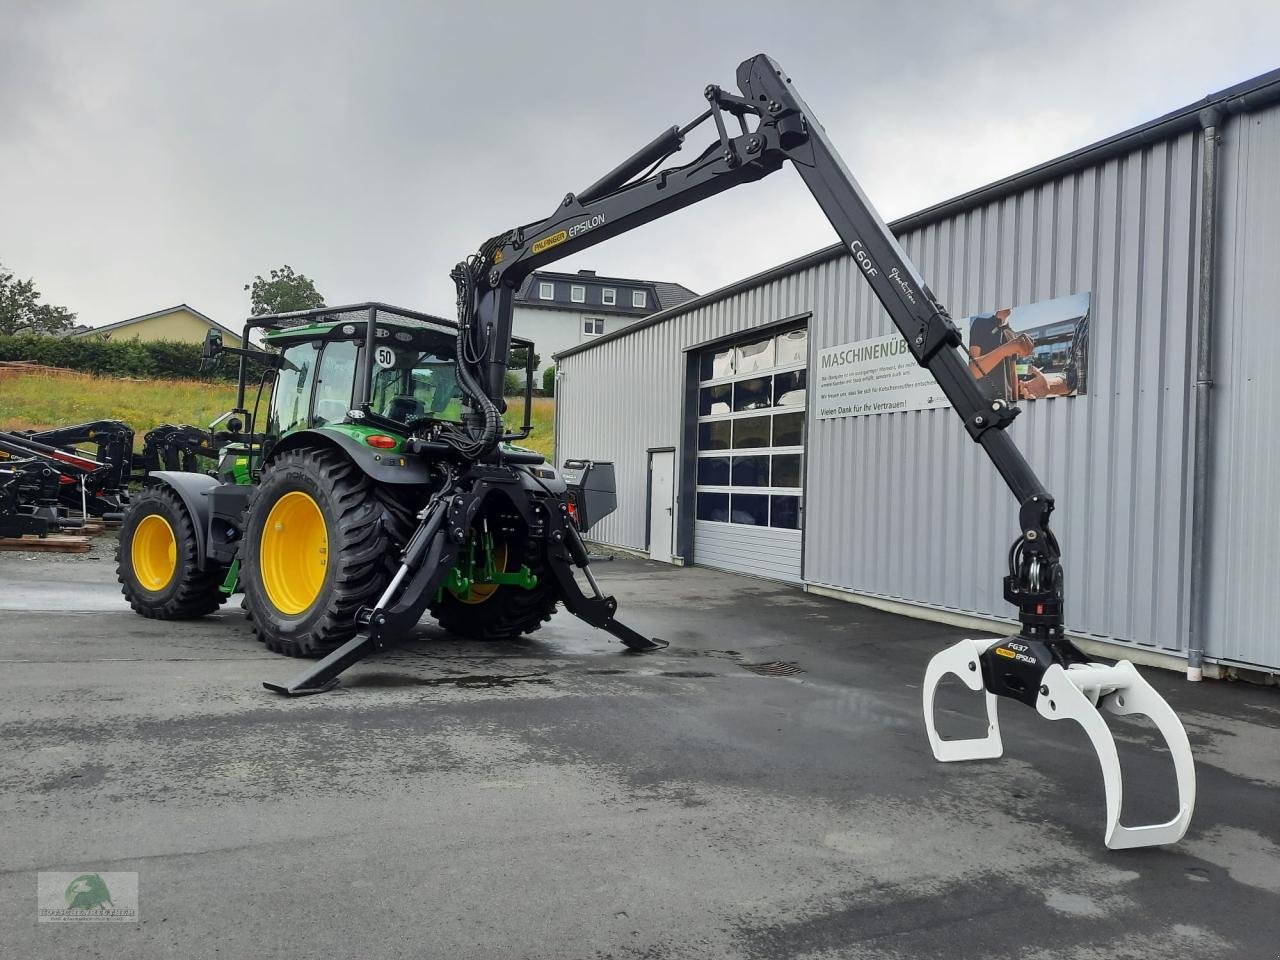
757,131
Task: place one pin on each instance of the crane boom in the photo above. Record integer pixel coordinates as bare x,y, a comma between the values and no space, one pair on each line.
1039,666
776,125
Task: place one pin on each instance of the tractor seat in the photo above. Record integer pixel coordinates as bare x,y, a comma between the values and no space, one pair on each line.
404,407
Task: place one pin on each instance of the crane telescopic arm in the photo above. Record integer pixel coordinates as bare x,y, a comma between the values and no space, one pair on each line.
774,124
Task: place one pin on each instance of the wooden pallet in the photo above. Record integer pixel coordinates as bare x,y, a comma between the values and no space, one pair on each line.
54,543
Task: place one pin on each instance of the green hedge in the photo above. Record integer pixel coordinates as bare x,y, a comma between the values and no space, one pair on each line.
160,359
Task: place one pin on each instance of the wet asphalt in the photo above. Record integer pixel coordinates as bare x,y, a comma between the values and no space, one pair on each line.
763,788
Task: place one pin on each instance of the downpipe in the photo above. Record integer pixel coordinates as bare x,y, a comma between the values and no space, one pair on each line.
1210,122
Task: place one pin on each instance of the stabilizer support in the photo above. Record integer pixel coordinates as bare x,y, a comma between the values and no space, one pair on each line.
426,561
322,675
1074,691
429,557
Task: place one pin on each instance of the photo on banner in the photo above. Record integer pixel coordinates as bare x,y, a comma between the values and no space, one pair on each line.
1033,351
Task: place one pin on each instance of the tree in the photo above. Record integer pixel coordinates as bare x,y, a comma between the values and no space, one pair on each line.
519,357
285,291
22,312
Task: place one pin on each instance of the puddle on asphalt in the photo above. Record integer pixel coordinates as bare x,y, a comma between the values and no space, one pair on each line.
467,681
688,674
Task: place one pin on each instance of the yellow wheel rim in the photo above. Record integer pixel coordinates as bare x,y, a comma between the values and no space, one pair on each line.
480,592
154,553
294,553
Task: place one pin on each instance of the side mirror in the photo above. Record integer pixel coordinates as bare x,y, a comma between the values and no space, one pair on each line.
211,351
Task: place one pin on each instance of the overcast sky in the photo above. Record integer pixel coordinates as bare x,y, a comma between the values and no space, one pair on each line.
157,153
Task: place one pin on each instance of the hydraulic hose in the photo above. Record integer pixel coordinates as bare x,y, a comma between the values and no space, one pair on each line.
472,443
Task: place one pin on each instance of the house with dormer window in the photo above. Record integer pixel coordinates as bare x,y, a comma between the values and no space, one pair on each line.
561,310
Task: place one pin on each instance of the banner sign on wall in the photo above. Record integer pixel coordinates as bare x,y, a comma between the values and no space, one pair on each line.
1034,351
872,376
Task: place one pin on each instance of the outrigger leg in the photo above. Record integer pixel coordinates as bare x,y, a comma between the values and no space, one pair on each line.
598,609
425,564
427,559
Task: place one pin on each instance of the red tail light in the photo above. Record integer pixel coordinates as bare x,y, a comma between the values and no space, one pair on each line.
381,441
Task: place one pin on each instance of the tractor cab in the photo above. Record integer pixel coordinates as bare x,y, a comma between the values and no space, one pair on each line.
356,370
328,370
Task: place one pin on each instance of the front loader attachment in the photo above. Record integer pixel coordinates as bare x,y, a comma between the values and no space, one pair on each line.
1071,691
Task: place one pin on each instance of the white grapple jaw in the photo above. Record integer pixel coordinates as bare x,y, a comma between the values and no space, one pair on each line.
1076,692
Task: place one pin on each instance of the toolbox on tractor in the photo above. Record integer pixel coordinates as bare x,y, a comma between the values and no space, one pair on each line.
592,491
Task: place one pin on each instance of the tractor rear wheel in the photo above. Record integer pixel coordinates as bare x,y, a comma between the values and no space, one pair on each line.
158,560
501,612
317,547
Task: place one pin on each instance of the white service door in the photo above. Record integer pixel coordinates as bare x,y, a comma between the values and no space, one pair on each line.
662,486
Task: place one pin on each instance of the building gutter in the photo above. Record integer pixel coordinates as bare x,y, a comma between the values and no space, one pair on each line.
1210,121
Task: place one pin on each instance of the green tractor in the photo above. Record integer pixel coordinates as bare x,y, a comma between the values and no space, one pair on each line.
313,505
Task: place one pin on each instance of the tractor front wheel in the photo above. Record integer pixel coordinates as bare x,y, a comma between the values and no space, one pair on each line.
315,550
158,560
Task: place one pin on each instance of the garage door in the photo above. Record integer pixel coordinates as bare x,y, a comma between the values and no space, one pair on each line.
750,461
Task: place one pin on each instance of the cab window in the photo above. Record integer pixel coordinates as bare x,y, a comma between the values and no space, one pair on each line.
410,384
335,380
292,395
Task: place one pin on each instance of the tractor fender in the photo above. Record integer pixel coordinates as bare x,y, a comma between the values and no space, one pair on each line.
193,490
379,465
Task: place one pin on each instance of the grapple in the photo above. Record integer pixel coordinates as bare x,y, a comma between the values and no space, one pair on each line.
1062,685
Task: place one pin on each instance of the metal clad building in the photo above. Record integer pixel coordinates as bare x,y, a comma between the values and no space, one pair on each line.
902,508
1243,583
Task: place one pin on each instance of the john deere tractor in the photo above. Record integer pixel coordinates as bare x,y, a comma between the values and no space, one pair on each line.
316,498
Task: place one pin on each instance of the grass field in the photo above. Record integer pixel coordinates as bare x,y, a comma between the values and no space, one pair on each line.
544,423
37,401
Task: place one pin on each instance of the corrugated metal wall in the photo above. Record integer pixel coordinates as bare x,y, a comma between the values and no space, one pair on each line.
1244,602
911,508
904,505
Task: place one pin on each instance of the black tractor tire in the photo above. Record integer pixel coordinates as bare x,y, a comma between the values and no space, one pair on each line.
509,611
189,592
361,522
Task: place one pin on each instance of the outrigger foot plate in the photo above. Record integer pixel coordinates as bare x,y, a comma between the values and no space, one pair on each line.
1074,692
636,642
322,675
